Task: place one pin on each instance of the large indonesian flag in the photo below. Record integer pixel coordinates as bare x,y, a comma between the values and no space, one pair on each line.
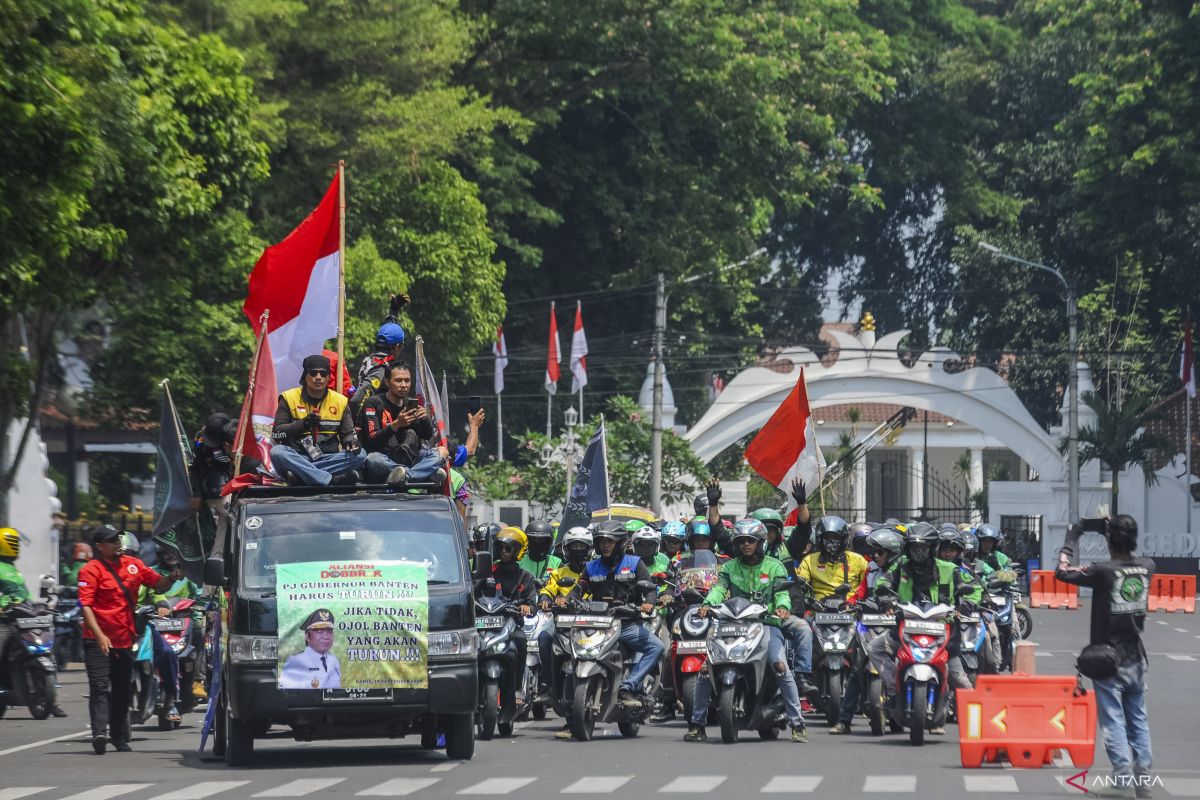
297,281
786,447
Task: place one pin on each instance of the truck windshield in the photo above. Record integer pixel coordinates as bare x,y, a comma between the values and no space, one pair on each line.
426,537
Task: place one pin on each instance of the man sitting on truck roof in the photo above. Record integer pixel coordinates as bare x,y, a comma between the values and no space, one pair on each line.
314,426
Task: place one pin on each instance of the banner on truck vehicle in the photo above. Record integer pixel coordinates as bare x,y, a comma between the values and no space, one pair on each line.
352,626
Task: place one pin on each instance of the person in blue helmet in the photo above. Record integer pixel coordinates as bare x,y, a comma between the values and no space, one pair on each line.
389,345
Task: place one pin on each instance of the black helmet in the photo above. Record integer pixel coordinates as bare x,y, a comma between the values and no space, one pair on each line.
859,532
701,504
750,529
987,531
920,542
611,529
954,537
539,530
481,535
831,534
970,546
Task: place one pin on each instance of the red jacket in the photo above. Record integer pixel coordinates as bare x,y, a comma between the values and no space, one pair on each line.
98,590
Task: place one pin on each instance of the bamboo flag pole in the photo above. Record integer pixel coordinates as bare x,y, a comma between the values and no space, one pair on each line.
341,330
817,446
244,416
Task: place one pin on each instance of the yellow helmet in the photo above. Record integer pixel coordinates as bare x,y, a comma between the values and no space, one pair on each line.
10,543
516,534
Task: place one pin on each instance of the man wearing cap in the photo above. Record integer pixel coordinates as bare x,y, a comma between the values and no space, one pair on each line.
212,468
314,427
108,588
316,667
389,344
396,427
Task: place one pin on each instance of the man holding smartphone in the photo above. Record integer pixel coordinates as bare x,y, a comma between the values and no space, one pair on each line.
396,427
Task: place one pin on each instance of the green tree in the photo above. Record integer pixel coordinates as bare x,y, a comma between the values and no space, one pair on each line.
1119,439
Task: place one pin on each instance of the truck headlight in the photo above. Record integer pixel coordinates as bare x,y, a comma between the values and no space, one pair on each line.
454,644
250,649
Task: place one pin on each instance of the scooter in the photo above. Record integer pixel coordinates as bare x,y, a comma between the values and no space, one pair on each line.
872,623
601,663
535,624
145,687
834,626
496,621
745,687
922,665
689,631
28,673
1013,621
68,627
178,633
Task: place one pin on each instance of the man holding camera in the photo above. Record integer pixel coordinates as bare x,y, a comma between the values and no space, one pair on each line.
1115,659
396,427
314,425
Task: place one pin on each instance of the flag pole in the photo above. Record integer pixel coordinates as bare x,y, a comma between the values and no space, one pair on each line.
499,428
244,416
604,454
817,446
341,331
1187,459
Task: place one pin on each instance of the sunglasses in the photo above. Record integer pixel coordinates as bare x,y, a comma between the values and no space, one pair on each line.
505,548
323,373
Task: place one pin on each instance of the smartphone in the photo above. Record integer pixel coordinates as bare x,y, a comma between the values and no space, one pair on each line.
473,405
1093,525
411,403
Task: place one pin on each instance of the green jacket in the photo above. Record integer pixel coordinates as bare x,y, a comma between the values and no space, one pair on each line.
986,566
181,589
12,585
540,569
950,583
70,574
753,582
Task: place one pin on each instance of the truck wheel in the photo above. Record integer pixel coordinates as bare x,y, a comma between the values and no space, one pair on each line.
460,737
489,710
727,714
916,720
583,719
239,740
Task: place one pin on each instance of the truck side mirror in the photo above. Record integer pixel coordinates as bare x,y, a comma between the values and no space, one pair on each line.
214,571
483,565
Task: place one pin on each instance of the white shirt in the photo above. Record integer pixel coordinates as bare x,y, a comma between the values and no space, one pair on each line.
306,671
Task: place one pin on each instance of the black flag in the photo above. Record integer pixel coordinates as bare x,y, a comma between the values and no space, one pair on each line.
173,512
590,491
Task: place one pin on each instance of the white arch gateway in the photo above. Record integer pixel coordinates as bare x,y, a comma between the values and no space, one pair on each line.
867,370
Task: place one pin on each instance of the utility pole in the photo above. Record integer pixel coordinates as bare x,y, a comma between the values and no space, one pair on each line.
1073,407
660,331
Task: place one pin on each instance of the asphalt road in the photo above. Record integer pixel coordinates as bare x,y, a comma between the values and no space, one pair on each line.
52,759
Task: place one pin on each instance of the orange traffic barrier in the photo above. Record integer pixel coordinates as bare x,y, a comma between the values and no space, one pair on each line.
1173,593
1049,592
1026,718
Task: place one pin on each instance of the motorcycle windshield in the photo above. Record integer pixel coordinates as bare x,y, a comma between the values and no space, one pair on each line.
700,573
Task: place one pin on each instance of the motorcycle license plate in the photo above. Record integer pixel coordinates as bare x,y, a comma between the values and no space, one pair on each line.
487,623
997,600
166,625
877,620
734,629
35,622
919,626
834,619
970,619
356,695
593,622
692,646
47,664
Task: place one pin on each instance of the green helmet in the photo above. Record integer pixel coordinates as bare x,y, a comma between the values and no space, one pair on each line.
769,517
634,525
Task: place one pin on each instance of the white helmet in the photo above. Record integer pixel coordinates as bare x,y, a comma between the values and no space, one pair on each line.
575,536
647,535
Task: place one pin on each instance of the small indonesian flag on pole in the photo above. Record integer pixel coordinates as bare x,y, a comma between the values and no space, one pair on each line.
786,447
500,351
1187,360
579,351
262,399
297,280
553,356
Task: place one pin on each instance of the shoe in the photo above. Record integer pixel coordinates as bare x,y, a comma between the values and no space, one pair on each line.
173,715
661,716
627,696
806,706
565,733
348,478
57,711
439,476
938,731
199,692
396,476
840,729
122,747
695,733
100,744
800,735
806,688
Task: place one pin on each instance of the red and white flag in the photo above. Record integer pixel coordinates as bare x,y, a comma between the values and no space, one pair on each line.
500,351
1187,360
579,351
297,281
553,356
259,409
786,447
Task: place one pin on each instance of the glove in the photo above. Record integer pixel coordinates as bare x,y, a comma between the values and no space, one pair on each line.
399,301
713,489
799,492
313,423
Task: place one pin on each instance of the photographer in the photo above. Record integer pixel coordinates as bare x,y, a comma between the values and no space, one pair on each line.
1115,659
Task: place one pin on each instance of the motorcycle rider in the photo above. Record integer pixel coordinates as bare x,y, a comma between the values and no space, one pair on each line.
612,577
750,575
13,590
577,549
991,558
952,547
772,520
699,537
918,575
81,553
481,540
707,507
646,542
538,560
511,582
674,538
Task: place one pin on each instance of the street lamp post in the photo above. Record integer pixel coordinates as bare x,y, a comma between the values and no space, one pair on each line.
1073,377
567,452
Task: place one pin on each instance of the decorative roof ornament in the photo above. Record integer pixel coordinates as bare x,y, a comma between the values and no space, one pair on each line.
867,323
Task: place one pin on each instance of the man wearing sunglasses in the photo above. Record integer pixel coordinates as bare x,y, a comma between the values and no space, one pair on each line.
314,431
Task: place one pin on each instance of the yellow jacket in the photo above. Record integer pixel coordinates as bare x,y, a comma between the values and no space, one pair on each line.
824,577
552,589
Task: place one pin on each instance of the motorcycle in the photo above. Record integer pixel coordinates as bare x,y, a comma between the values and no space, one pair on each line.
496,621
68,627
535,624
922,665
28,673
689,631
1013,620
178,632
872,623
145,687
600,664
834,627
747,692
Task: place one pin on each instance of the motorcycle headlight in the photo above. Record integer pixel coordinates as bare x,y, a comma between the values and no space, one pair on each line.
694,625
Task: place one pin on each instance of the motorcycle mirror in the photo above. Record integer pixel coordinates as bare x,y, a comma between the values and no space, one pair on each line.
566,581
781,585
659,578
214,571
483,565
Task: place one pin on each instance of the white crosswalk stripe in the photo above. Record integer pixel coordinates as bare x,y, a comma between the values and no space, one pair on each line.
201,790
1181,630
107,791
300,788
497,786
990,783
693,784
446,766
1178,657
890,783
597,784
792,784
17,792
398,787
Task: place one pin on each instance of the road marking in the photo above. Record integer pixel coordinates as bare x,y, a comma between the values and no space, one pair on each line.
19,748
108,790
1182,630
1177,657
1162,622
788,784
398,787
990,783
523,725
497,786
201,790
597,784
21,791
446,766
693,784
890,783
1182,787
1043,654
300,788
